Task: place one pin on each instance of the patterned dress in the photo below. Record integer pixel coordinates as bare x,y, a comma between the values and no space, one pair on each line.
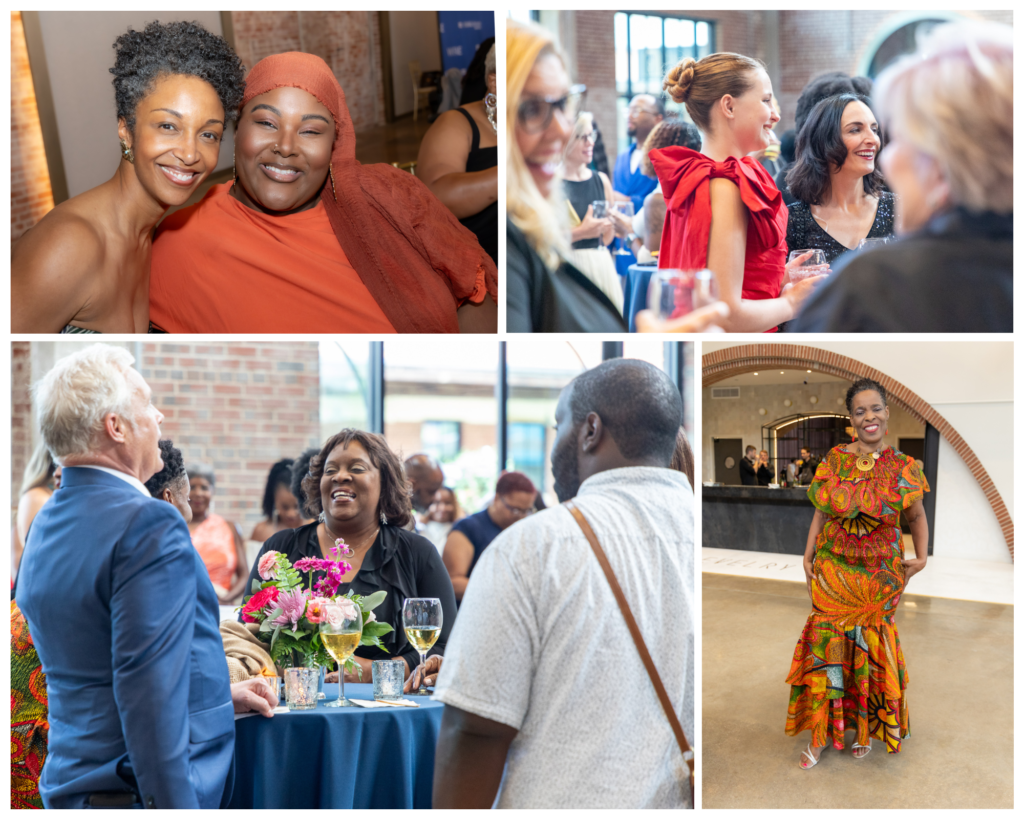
28,715
848,666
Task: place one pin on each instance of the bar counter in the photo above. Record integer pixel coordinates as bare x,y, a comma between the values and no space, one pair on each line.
756,518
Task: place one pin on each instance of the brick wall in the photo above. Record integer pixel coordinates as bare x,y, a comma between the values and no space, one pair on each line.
31,197
21,415
348,41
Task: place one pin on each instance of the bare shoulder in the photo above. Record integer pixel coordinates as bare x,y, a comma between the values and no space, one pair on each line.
726,202
450,130
64,237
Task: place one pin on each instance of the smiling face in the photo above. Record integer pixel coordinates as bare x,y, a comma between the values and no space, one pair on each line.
443,507
199,495
179,126
283,151
581,149
753,113
349,488
542,151
859,132
868,414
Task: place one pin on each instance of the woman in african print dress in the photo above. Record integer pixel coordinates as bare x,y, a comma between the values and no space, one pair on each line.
848,670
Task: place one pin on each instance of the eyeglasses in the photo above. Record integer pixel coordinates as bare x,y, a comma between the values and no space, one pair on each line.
515,511
635,111
535,113
591,137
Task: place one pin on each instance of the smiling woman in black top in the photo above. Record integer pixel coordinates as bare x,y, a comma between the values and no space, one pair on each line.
358,488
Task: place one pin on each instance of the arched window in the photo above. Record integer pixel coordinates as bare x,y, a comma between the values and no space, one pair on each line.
898,37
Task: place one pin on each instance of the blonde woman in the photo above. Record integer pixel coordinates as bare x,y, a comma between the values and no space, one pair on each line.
947,111
544,293
41,478
590,236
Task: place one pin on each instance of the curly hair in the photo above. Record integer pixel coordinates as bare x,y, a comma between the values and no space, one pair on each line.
280,475
819,147
174,469
864,385
163,49
665,133
395,501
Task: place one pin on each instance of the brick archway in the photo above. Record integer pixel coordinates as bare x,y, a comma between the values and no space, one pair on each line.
747,358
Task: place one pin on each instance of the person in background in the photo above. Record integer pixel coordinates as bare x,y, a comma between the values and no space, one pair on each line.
425,477
808,464
540,617
951,270
437,523
787,155
218,541
764,472
38,483
514,496
600,160
458,162
793,472
140,709
682,458
631,184
821,87
300,468
748,467
280,506
474,83
544,292
170,484
590,235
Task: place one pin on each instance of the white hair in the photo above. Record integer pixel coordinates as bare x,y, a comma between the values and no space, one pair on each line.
952,100
489,62
74,397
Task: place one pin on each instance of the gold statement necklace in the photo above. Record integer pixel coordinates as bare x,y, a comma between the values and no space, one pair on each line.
866,462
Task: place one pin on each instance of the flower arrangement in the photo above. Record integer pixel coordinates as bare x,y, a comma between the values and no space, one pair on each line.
291,614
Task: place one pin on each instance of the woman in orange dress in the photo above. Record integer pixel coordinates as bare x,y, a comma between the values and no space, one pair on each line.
848,670
308,240
217,540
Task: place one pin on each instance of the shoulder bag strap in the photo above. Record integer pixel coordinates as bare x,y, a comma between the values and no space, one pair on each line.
638,638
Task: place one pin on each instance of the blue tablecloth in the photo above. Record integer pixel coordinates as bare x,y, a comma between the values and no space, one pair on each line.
635,292
338,757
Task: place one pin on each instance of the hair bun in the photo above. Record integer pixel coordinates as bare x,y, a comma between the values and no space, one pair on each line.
679,80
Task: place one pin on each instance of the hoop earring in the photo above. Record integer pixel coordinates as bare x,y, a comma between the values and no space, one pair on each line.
334,191
383,518
127,152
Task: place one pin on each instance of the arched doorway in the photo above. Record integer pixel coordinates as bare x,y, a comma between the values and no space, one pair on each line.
721,364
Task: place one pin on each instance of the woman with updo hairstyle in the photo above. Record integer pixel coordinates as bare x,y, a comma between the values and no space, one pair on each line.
947,111
356,488
724,211
848,672
85,267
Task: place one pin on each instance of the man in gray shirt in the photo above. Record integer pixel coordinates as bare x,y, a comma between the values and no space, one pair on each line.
549,705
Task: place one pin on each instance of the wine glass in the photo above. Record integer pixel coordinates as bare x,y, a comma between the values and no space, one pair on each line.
674,293
813,265
626,209
601,208
868,244
341,632
422,618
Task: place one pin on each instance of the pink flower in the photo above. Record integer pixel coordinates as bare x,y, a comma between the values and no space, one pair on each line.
268,566
309,564
315,609
341,609
293,606
341,548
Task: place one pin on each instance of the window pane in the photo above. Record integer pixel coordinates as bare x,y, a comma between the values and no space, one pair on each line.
621,54
704,44
439,399
537,372
344,388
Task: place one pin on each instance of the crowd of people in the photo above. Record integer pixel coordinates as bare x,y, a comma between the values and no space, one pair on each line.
103,713
912,212
304,239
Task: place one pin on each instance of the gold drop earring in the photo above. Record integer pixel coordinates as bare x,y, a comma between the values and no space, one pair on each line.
127,152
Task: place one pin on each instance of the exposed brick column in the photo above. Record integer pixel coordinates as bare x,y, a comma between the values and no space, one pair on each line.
21,414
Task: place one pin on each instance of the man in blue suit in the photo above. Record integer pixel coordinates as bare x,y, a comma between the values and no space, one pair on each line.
629,182
122,610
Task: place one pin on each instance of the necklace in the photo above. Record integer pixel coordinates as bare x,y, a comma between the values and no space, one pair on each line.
866,461
370,539
491,107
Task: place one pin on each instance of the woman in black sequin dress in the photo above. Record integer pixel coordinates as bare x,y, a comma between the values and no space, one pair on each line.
835,178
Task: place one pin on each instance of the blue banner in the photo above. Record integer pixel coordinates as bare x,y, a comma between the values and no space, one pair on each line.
461,33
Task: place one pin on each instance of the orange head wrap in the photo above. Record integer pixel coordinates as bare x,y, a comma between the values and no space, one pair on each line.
418,262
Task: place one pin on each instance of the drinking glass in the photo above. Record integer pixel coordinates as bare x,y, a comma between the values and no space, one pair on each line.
813,265
626,209
601,208
422,618
868,244
674,293
341,636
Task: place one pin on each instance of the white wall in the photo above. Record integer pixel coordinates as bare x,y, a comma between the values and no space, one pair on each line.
969,383
79,55
414,36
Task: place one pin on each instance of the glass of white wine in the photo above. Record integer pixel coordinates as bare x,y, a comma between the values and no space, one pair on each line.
341,633
422,618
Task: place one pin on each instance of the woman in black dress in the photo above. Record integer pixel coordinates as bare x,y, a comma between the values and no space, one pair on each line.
458,161
358,488
835,179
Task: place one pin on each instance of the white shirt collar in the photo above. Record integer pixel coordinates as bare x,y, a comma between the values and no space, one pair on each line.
124,476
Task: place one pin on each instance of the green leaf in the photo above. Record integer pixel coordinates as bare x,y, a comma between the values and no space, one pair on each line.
371,602
255,586
277,633
377,629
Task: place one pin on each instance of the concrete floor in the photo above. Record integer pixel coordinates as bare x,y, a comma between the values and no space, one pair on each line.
959,656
